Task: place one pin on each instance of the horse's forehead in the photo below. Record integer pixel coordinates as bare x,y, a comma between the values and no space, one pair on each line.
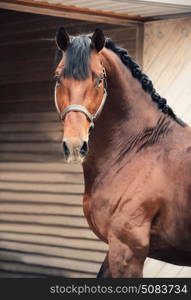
94,62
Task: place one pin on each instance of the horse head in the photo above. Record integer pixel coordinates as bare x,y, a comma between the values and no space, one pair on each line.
80,89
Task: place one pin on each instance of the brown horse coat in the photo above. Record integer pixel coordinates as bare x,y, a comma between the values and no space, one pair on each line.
137,171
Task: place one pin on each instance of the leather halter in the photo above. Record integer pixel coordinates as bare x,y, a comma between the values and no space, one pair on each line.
83,109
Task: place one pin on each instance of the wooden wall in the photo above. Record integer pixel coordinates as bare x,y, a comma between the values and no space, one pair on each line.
42,228
27,56
167,61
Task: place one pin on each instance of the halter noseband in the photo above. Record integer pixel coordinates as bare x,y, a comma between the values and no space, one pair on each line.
83,109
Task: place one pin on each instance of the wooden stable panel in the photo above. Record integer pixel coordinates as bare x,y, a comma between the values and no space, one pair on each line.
43,231
166,56
27,53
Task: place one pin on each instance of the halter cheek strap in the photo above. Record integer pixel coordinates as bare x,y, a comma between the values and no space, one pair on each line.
83,109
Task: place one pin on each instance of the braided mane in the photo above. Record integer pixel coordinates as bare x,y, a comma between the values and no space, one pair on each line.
144,79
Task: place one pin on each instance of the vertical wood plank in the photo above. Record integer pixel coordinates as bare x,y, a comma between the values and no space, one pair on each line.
139,43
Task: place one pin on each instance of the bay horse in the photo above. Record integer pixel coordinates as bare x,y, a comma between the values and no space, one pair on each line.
135,153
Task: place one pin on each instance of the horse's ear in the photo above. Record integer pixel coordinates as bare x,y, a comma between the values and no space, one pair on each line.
98,40
62,39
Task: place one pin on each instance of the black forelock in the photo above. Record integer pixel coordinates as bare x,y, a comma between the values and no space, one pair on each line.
77,58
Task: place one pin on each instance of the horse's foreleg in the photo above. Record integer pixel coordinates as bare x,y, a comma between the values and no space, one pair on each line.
128,250
104,271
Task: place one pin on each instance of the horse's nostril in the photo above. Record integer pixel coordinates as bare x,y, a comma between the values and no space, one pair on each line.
66,149
84,149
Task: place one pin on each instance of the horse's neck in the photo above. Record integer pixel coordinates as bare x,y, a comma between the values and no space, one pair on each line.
128,111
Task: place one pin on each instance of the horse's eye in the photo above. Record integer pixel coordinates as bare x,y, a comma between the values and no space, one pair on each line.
99,81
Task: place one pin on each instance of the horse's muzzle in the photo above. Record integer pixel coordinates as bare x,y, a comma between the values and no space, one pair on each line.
75,150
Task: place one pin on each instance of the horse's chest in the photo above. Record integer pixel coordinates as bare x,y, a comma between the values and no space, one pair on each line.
97,214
